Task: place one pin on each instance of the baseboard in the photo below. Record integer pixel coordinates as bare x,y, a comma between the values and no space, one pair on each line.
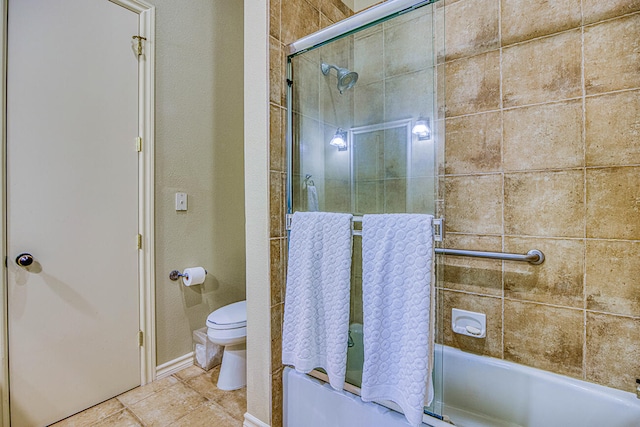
251,421
173,366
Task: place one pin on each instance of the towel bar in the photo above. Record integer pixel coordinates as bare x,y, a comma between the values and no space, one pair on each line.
534,256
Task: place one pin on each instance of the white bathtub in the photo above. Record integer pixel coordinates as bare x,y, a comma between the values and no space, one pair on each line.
478,392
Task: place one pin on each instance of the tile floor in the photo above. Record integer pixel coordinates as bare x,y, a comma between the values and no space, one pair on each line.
188,398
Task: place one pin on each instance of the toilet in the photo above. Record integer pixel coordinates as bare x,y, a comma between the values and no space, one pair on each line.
227,326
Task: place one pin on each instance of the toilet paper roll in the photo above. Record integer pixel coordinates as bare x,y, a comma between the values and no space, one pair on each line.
194,276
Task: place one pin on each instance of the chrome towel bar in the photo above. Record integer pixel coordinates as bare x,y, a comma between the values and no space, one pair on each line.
534,256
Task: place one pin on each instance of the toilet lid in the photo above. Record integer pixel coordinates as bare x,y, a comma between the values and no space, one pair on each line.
229,317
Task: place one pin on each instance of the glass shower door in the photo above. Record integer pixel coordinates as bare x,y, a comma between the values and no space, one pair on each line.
362,135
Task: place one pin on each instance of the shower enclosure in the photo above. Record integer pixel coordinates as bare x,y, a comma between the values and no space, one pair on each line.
541,152
363,132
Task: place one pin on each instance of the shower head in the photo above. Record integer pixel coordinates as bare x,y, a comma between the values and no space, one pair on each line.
346,79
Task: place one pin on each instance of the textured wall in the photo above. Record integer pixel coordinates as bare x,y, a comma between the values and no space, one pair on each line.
199,150
542,123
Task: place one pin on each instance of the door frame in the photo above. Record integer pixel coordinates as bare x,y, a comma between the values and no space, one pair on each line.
146,255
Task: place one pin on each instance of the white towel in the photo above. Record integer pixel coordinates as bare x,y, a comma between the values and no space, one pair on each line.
397,268
316,312
312,199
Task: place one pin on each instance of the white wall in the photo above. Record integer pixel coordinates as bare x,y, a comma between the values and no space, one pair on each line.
199,150
256,50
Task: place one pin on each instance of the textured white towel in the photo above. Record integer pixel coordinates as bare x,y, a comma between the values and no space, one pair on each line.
316,311
397,267
312,198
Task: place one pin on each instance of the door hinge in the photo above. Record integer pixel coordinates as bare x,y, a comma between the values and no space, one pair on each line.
139,241
139,144
140,338
139,39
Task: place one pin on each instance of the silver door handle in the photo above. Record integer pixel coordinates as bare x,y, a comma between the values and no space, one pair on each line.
24,259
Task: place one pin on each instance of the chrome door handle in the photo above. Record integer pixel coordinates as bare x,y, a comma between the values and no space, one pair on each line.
24,259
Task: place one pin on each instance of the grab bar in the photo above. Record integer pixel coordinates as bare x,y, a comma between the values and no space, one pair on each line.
534,256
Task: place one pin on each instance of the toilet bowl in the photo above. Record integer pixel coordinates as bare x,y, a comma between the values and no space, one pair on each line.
227,326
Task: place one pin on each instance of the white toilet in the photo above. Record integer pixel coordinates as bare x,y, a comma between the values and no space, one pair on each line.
227,326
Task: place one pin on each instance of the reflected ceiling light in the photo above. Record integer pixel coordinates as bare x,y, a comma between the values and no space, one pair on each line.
339,140
422,129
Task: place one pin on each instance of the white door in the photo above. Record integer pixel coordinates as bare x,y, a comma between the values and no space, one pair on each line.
72,203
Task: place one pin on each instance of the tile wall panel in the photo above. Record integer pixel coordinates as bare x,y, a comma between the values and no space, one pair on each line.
561,147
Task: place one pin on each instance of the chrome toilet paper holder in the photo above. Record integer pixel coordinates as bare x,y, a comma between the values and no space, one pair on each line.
175,275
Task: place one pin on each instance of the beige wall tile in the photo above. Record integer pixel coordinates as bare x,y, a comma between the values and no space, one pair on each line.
474,144
407,48
544,337
276,157
480,276
274,18
613,277
277,268
334,10
524,19
276,203
395,195
299,18
598,10
559,280
395,153
276,71
471,27
473,204
542,70
613,351
421,195
613,203
544,203
367,60
409,95
612,54
306,86
491,345
277,315
472,85
370,196
612,129
276,398
368,104
338,197
547,136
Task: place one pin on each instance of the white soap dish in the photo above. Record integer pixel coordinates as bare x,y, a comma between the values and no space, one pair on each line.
469,323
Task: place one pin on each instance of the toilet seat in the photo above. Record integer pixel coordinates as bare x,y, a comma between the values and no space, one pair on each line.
232,316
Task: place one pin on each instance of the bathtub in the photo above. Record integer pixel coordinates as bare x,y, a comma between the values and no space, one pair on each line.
478,392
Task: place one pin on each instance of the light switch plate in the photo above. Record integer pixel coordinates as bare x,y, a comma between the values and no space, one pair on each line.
181,201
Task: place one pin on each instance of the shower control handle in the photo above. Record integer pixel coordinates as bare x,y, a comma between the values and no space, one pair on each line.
24,259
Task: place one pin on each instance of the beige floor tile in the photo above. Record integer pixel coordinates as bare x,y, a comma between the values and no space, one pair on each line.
209,414
168,405
234,401
139,393
92,415
120,419
188,373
